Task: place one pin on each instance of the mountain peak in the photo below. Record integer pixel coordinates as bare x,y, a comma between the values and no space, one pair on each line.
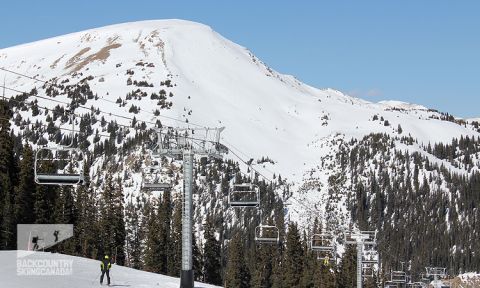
214,82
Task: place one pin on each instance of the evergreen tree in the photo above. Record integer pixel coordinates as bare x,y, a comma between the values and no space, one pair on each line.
64,214
294,256
237,273
64,206
278,271
309,265
164,218
111,222
324,276
347,271
211,255
86,229
197,260
45,198
7,180
263,271
134,232
152,243
119,224
175,251
24,213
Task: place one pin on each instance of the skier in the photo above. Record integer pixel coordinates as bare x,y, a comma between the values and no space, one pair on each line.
105,266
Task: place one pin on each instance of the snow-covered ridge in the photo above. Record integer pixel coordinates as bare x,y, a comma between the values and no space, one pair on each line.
402,105
216,83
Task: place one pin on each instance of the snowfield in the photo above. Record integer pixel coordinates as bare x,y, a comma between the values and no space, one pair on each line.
216,82
85,273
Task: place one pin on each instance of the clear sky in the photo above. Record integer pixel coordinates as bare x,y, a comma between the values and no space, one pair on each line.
419,51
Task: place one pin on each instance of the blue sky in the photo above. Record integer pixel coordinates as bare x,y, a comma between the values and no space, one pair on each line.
425,52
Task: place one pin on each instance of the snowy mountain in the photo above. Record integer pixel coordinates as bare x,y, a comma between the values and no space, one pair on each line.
185,74
84,273
216,83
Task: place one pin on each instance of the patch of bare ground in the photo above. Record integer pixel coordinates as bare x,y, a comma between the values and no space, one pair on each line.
72,61
101,55
54,64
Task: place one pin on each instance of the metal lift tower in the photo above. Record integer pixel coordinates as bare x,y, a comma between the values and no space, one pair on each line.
185,143
360,238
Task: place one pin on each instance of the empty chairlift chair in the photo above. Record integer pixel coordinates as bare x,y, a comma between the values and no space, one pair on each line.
417,285
155,186
244,195
151,178
267,234
368,268
399,277
58,161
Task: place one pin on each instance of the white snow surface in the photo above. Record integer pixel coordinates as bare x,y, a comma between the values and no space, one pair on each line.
264,112
220,83
85,273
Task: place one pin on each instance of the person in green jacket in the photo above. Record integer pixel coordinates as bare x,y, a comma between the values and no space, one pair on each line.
105,265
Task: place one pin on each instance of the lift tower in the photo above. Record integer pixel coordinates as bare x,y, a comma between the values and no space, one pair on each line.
185,143
360,238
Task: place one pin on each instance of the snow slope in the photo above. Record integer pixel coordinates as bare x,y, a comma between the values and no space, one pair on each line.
221,84
85,274
216,82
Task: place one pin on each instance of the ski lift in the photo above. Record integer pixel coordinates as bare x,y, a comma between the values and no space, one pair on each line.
370,263
267,234
60,157
324,245
398,277
368,269
416,285
368,238
156,186
244,195
152,181
322,242
390,284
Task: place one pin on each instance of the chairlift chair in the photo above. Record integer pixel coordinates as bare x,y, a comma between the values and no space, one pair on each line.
153,183
59,156
436,272
368,238
322,243
398,277
368,270
417,285
390,284
156,186
244,195
267,234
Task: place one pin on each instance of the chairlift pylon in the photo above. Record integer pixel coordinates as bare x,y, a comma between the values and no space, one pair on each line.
60,157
